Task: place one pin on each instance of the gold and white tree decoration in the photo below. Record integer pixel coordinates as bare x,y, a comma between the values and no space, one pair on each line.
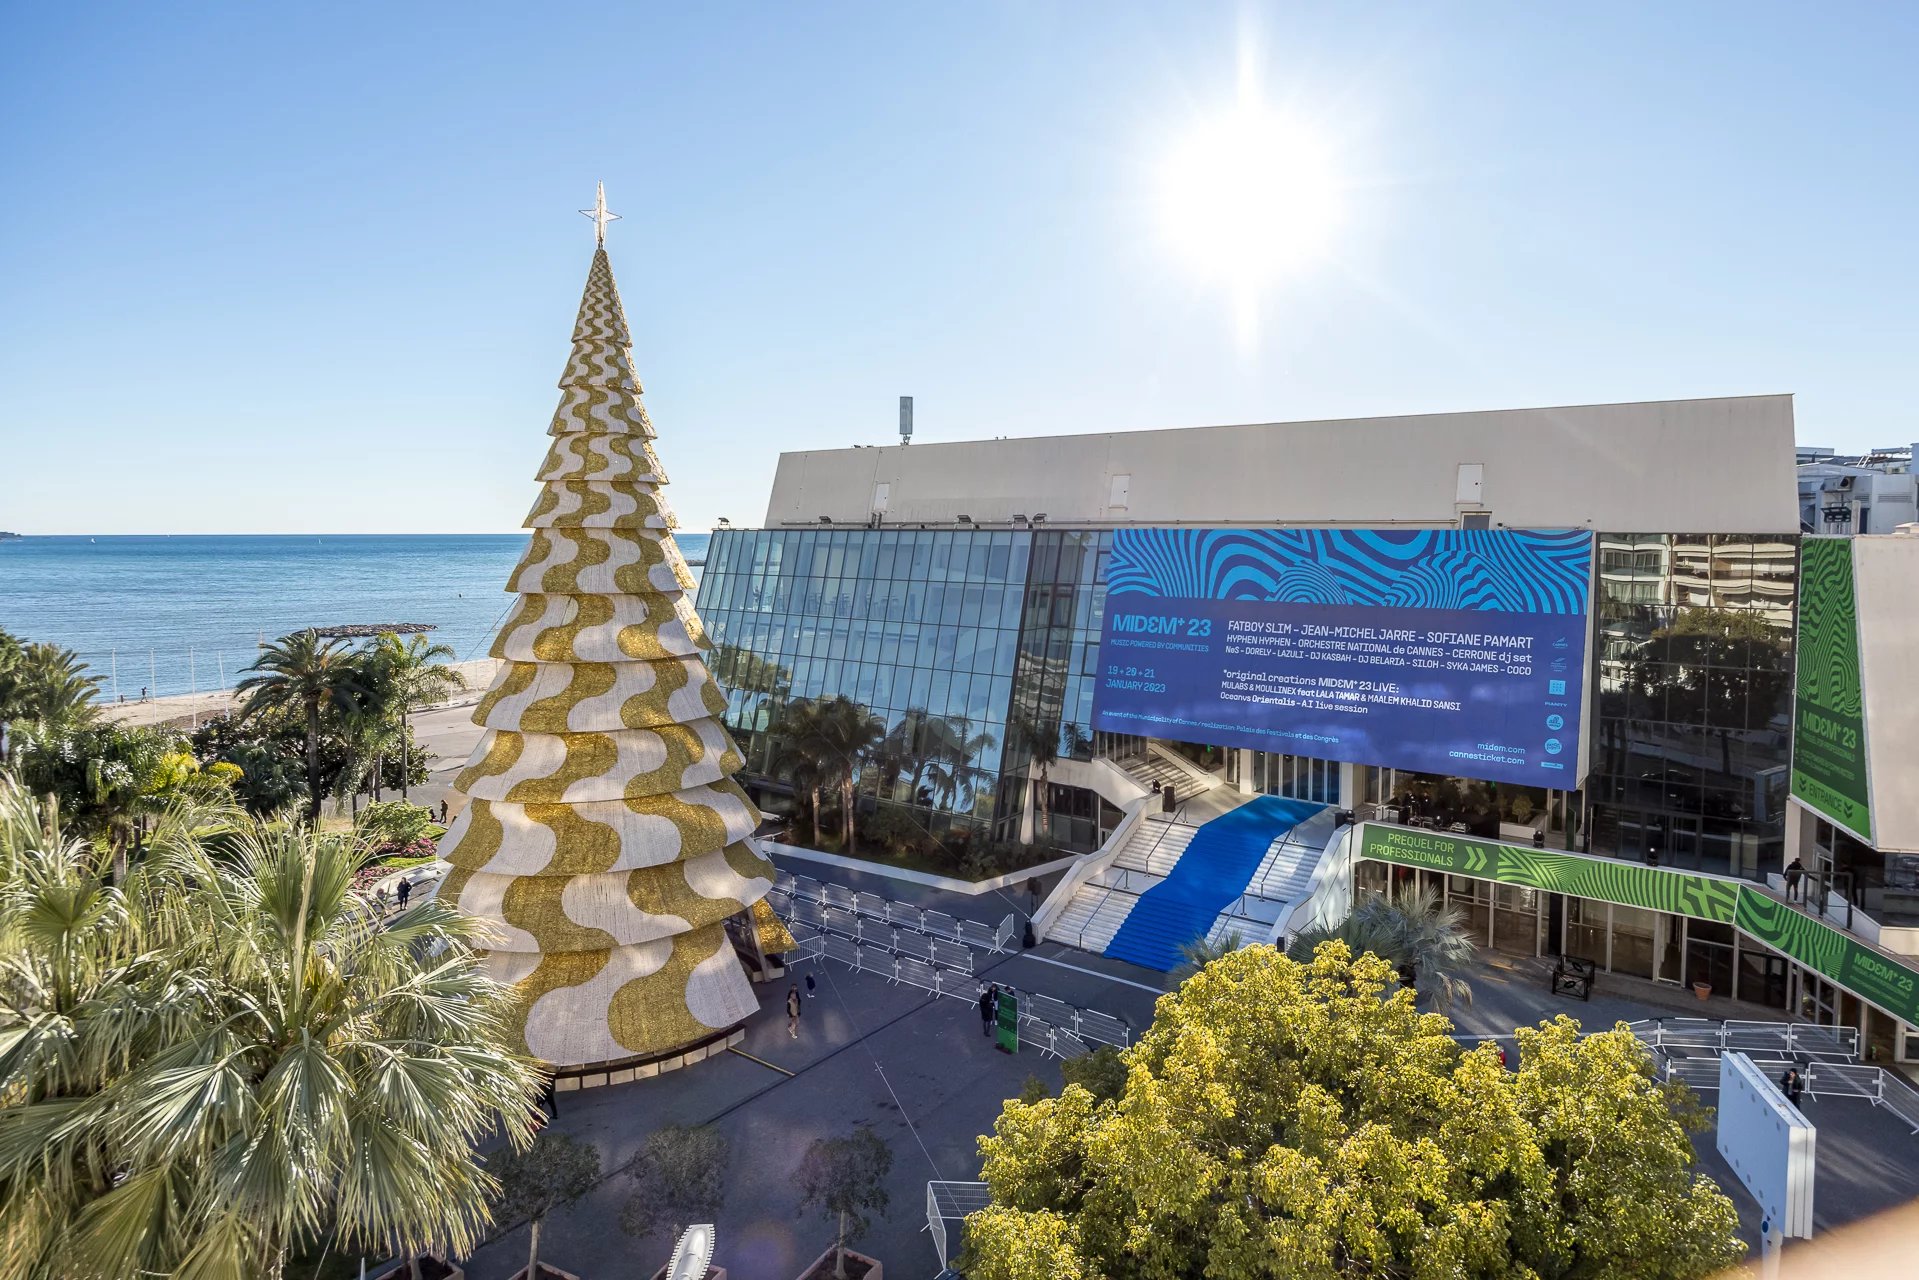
605,839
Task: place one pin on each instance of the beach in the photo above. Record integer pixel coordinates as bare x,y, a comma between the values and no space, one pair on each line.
187,710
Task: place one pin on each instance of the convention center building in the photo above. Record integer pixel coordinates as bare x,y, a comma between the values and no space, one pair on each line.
1558,666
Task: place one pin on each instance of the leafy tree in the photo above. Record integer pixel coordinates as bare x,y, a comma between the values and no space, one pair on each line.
679,1179
395,822
1101,1073
416,674
1414,932
845,1180
1306,1120
312,676
550,1174
269,780
106,778
213,1064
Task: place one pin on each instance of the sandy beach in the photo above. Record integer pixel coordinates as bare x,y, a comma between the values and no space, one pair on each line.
187,709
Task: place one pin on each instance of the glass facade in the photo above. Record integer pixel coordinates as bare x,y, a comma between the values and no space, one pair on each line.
1692,711
977,650
919,626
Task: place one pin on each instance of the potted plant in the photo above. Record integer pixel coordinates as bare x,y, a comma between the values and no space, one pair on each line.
1702,989
679,1178
550,1174
845,1180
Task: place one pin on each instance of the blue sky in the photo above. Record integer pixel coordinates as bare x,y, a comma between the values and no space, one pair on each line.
274,269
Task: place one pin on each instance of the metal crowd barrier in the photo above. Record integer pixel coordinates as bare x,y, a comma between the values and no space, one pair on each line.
1048,1024
810,901
1805,1040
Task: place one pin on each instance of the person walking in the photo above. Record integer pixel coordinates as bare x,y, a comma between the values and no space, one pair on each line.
1793,1085
405,891
443,813
1795,871
793,1011
809,986
988,1009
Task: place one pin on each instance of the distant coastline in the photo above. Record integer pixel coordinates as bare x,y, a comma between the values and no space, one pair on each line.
6,536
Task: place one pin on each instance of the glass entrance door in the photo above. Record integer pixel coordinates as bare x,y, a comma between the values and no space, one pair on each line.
1669,939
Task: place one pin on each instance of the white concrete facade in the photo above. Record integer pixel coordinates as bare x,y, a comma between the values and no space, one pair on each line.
1703,466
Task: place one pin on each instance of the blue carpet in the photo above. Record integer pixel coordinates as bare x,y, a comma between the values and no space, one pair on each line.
1215,869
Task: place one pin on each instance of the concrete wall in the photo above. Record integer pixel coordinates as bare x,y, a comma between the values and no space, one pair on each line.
1887,577
1697,466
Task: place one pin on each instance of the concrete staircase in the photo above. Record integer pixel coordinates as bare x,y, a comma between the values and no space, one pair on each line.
1102,904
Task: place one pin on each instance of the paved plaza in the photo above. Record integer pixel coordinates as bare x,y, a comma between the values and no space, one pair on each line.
921,1073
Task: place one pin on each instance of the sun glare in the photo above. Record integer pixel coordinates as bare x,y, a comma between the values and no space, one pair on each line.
1249,195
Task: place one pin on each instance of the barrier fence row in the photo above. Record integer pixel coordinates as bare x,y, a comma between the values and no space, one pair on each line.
1804,1040
803,895
1876,1085
1049,1025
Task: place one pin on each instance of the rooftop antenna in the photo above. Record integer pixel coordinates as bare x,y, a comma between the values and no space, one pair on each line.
906,419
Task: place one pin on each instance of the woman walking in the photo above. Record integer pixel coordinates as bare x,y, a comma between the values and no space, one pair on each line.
793,1011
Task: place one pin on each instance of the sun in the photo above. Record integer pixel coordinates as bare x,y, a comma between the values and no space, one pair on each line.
1250,195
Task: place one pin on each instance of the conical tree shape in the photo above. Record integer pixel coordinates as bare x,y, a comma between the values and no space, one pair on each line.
605,838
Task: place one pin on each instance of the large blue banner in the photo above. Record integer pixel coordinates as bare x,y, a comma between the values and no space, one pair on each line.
1449,651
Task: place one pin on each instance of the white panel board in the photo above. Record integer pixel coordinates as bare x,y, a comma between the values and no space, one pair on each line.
1768,1143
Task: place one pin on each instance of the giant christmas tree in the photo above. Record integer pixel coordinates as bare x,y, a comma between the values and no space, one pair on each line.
605,839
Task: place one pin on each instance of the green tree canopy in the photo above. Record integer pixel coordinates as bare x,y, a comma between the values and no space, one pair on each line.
1281,1119
225,1057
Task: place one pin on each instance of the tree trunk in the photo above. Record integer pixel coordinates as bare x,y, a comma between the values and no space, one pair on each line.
379,772
406,765
533,1252
413,1266
117,834
816,815
313,763
846,824
839,1249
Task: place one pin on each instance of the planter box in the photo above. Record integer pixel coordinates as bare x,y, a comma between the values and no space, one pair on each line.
547,1272
822,1268
431,1268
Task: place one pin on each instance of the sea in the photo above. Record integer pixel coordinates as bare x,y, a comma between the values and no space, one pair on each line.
161,615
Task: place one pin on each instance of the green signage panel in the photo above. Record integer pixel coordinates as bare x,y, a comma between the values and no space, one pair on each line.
1892,985
1873,977
1828,723
1007,1027
1604,879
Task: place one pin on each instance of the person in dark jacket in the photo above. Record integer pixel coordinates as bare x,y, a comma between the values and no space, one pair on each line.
405,891
1793,1085
1795,870
988,1009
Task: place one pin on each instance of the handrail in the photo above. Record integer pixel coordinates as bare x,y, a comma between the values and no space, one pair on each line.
1088,866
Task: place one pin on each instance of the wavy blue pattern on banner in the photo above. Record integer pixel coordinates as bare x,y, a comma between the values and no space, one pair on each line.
1498,570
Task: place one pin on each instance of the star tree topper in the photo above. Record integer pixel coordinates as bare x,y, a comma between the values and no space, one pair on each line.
600,216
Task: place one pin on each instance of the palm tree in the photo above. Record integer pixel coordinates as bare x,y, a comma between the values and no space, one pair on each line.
1416,932
1201,952
226,1058
45,685
795,755
416,670
846,737
307,674
1040,742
